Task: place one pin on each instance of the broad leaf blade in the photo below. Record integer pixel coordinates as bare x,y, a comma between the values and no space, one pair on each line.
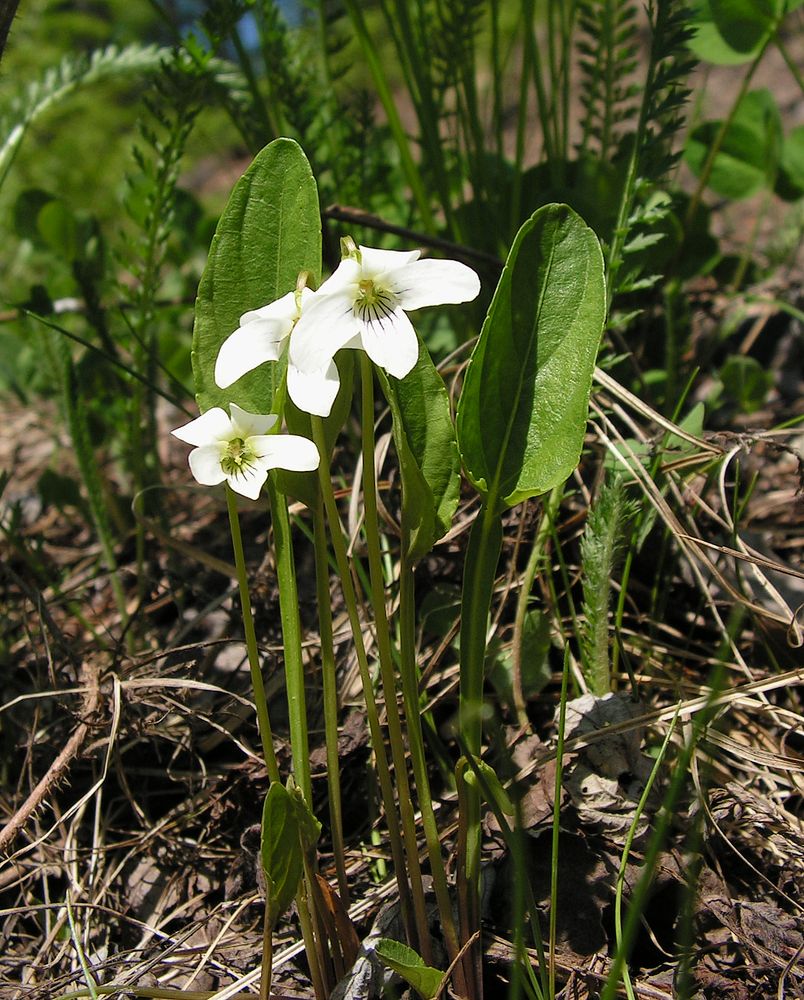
270,230
428,453
523,409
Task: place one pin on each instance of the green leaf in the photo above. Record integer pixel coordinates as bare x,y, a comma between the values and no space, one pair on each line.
534,660
428,453
742,22
59,229
280,850
790,180
730,32
523,409
270,230
406,963
309,827
746,382
494,789
26,213
749,155
60,82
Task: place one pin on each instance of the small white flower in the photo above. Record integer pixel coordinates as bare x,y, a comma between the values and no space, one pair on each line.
238,449
261,337
364,305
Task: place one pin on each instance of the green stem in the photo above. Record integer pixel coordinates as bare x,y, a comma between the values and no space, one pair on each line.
661,826
394,121
717,142
410,691
312,945
371,528
291,637
643,801
330,696
350,599
266,971
263,722
256,94
483,553
526,585
791,65
562,718
76,411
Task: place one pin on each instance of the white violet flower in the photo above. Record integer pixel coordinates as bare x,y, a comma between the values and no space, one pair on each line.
364,305
239,449
261,337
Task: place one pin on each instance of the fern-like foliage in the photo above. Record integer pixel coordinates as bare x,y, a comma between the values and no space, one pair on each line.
457,23
601,547
173,105
178,92
668,91
653,148
607,46
59,82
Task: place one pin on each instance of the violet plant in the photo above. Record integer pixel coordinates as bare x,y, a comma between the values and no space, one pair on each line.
520,427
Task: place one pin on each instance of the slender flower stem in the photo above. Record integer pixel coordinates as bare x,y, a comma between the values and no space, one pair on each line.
350,599
483,553
330,696
410,690
312,944
291,637
263,722
562,720
549,511
370,524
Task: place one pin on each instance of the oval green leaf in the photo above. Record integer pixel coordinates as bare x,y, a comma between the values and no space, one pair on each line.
270,230
523,409
429,464
748,158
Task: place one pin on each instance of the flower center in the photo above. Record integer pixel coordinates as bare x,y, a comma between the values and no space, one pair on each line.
373,303
238,459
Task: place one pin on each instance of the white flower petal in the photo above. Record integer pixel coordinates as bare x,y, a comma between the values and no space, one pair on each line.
249,483
326,325
314,392
244,424
248,347
391,343
346,274
285,451
205,464
282,310
214,425
377,262
434,283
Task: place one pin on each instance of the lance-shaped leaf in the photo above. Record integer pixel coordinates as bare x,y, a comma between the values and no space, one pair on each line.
428,453
523,408
270,230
